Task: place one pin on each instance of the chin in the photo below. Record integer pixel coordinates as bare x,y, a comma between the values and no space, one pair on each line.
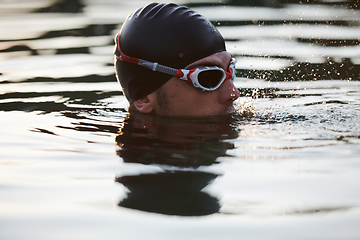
229,109
222,112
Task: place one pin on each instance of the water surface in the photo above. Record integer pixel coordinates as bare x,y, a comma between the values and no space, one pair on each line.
75,165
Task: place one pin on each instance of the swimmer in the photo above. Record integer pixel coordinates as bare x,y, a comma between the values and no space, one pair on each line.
170,60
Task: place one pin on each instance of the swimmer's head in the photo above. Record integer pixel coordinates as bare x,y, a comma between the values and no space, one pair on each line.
168,34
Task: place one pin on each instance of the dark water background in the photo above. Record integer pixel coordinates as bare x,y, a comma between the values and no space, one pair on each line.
75,165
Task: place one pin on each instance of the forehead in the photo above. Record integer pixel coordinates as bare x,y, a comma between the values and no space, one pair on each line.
221,59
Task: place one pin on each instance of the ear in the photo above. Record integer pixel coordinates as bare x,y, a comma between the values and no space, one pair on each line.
144,104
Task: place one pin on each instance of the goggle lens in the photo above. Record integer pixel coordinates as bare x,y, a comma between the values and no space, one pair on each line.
210,78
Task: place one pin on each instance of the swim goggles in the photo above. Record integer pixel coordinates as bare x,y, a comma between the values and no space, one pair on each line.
208,78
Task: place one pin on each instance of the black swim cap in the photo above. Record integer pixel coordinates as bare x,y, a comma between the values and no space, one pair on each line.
169,34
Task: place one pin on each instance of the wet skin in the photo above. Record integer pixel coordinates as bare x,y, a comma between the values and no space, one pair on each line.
185,100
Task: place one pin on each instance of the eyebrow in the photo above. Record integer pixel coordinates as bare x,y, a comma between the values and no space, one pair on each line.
209,65
202,65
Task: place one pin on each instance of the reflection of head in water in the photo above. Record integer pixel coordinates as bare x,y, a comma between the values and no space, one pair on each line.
174,38
171,193
186,143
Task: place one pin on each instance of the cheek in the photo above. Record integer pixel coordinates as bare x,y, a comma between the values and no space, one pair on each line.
198,103
184,99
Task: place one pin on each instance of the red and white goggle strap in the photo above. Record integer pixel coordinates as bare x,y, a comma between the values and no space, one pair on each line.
185,74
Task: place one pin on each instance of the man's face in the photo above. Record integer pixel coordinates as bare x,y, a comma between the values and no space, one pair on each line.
179,98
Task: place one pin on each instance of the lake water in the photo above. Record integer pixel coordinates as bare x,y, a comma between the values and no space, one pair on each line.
75,165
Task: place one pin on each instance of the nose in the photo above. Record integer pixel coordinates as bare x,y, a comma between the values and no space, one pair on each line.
228,92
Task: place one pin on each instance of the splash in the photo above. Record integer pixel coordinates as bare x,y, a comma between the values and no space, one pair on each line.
245,107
